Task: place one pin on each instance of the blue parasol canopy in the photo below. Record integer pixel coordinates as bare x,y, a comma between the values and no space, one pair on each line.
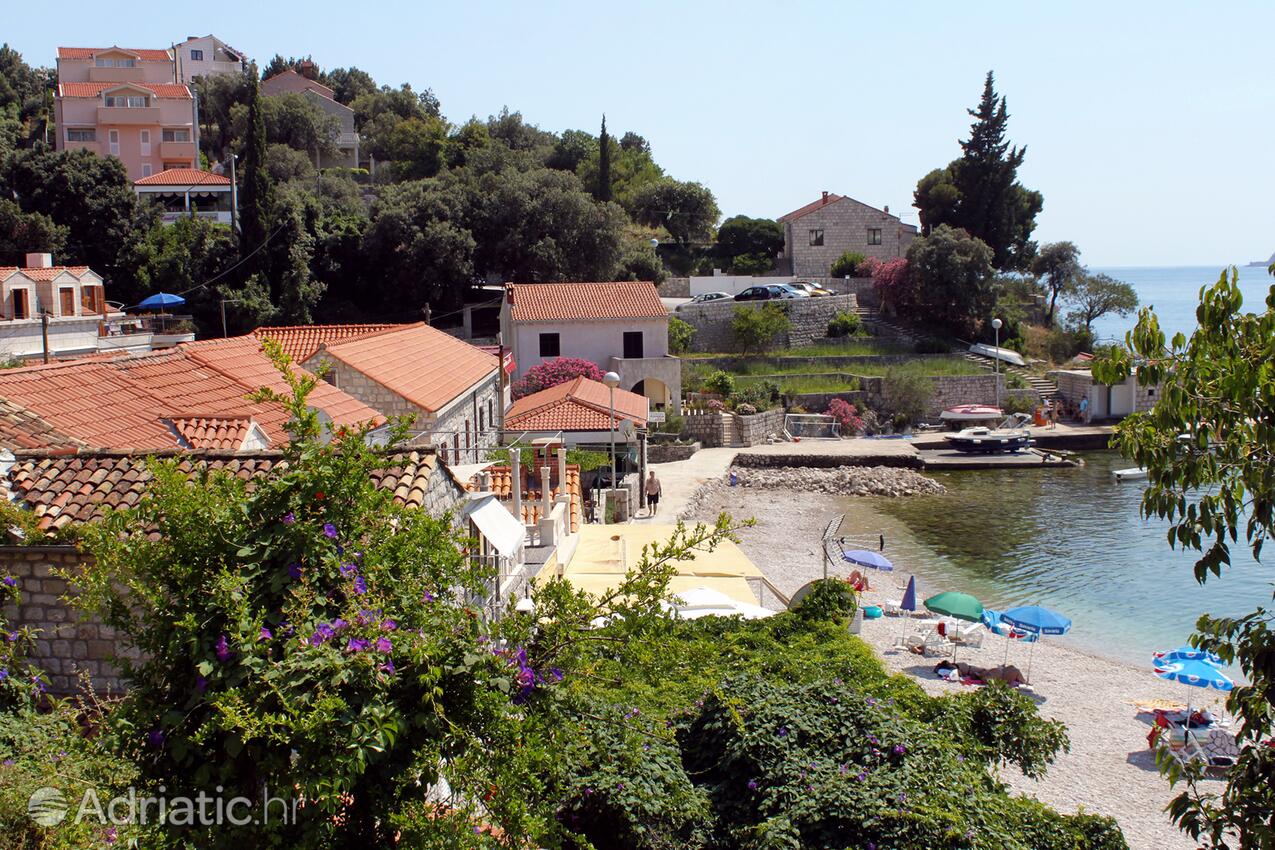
864,558
1037,619
160,300
909,596
1197,674
1185,653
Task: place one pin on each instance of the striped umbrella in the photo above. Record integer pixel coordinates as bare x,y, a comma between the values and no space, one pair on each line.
1197,673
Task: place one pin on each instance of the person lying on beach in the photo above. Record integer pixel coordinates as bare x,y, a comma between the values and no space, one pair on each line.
1010,673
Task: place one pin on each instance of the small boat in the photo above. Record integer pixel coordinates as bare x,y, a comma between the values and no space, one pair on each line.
972,413
1136,473
1005,355
1012,435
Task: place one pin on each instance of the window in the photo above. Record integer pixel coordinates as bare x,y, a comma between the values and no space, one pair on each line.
88,297
81,134
632,344
874,236
490,417
120,100
146,169
66,299
105,62
169,165
550,345
816,237
176,135
114,136
481,423
20,308
145,137
196,55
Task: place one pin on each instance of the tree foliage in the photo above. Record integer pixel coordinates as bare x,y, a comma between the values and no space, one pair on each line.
1207,448
687,211
748,245
757,329
680,334
1058,265
980,192
949,281
1096,295
23,232
602,190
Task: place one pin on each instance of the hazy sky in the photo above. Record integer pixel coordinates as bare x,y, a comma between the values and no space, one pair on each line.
1150,127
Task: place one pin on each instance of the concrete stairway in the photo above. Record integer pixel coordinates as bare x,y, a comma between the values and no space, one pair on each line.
1047,388
881,326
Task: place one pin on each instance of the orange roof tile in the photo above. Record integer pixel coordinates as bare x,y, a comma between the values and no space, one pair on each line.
213,432
183,177
301,341
176,90
551,302
90,52
22,429
421,364
7,272
577,405
832,198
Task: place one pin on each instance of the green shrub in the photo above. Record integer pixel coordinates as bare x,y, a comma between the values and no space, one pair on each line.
755,329
1018,404
720,382
1015,381
680,334
673,424
905,396
847,264
745,409
846,323
830,600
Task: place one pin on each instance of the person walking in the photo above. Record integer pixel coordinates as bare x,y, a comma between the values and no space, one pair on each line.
652,493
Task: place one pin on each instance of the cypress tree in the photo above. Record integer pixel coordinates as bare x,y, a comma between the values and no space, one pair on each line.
603,192
255,199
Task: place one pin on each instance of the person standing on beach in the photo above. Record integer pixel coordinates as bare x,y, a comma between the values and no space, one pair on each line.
653,492
1084,410
1053,414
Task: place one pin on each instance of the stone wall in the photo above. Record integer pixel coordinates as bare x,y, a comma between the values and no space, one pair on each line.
724,428
844,363
670,452
809,319
65,644
845,226
774,461
675,287
707,427
754,430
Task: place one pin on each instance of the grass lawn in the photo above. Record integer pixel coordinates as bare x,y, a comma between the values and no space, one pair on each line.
813,378
852,347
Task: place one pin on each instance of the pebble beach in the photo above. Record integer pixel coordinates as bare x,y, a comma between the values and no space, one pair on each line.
1109,770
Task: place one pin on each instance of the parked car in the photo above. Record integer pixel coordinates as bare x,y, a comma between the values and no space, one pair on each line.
793,292
704,298
769,292
811,289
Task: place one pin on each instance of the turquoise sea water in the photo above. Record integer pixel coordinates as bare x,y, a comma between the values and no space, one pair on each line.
1174,292
1072,540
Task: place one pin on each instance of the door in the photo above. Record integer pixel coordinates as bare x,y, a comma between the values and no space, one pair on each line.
20,309
114,138
146,142
66,297
633,345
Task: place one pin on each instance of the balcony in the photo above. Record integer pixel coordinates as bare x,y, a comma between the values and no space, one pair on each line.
219,216
117,75
347,141
174,151
114,115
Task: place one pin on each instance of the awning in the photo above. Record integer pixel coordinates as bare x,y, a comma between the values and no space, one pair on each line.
496,525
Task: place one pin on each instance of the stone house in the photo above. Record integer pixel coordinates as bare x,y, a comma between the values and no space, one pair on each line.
347,139
1105,402
821,231
579,411
206,56
621,326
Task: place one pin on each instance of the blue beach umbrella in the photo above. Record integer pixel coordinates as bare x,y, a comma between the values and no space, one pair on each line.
1186,653
160,300
864,558
1198,673
1036,620
908,604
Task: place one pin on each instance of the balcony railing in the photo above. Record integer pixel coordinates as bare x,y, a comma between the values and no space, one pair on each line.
177,151
347,140
219,216
107,115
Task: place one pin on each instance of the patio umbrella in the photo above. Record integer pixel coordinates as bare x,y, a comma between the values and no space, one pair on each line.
864,558
1036,620
1185,653
1198,673
908,604
160,300
962,606
992,619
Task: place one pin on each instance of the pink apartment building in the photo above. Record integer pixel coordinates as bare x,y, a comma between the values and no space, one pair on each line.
126,103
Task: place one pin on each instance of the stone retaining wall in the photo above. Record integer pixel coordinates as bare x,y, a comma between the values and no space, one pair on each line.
723,428
836,362
675,287
809,318
774,461
669,452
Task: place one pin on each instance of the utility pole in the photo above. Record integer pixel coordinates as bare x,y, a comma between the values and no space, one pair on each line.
224,334
234,208
44,332
426,311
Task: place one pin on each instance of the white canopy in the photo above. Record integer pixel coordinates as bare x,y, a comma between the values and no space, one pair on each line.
496,524
705,602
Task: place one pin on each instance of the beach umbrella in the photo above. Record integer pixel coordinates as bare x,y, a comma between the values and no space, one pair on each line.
1036,620
1197,673
864,558
908,604
1186,653
962,606
160,300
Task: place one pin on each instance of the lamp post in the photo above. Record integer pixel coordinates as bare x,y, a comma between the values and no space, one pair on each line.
612,380
996,360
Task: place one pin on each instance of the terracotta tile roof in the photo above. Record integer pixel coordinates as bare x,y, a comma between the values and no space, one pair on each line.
176,90
811,207
553,302
289,81
22,429
577,405
183,177
226,433
501,486
65,489
123,402
90,52
301,341
7,272
423,365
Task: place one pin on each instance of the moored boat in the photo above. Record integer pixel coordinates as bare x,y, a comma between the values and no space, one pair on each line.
1010,436
972,413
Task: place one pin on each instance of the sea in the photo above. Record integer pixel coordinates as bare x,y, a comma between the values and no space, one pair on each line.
1174,292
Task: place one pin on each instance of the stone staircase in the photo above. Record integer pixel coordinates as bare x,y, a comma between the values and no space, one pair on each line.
884,327
1047,388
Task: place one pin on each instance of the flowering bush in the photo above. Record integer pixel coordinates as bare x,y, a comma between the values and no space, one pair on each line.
550,373
745,409
716,405
846,415
892,282
720,382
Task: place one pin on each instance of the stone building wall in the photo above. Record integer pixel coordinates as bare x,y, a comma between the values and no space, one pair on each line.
65,644
809,319
845,225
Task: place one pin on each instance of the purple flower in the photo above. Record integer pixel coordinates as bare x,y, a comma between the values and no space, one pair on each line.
428,597
384,645
4,674
329,531
339,625
899,749
843,770
752,785
155,738
555,674
223,649
783,732
264,634
872,739
364,617
8,762
201,684
10,581
294,570
322,634
289,518
360,586
525,677
112,835
12,637
356,645
863,775
348,570
388,626
388,666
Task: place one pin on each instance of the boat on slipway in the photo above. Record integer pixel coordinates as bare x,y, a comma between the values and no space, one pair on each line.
1012,435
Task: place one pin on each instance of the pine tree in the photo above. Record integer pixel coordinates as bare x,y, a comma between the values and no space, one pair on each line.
603,192
255,193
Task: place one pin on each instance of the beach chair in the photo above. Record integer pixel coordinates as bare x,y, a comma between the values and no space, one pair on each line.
971,635
1220,749
891,607
927,643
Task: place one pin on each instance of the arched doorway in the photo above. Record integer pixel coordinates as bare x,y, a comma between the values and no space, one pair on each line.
654,389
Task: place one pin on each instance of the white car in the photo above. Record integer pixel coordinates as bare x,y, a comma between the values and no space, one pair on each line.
705,297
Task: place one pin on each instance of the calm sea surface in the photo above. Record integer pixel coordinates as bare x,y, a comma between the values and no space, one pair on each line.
1072,540
1174,292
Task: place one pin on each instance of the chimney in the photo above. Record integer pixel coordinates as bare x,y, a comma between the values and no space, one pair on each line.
825,197
887,209
39,261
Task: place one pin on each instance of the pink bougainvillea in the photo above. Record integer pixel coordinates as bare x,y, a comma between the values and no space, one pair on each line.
550,373
846,416
891,281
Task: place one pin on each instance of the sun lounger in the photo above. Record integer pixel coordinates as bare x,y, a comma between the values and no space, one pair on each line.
927,643
892,607
971,635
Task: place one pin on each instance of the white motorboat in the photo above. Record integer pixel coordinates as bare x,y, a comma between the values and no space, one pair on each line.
1136,473
1012,435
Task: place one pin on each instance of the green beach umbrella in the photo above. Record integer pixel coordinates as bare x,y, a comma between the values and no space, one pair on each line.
962,606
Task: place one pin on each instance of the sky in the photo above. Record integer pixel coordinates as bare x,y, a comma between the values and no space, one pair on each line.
1149,127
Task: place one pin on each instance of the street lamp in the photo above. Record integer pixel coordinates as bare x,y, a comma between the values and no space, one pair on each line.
996,360
612,380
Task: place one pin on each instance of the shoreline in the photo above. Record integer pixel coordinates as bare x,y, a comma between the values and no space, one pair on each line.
1109,770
